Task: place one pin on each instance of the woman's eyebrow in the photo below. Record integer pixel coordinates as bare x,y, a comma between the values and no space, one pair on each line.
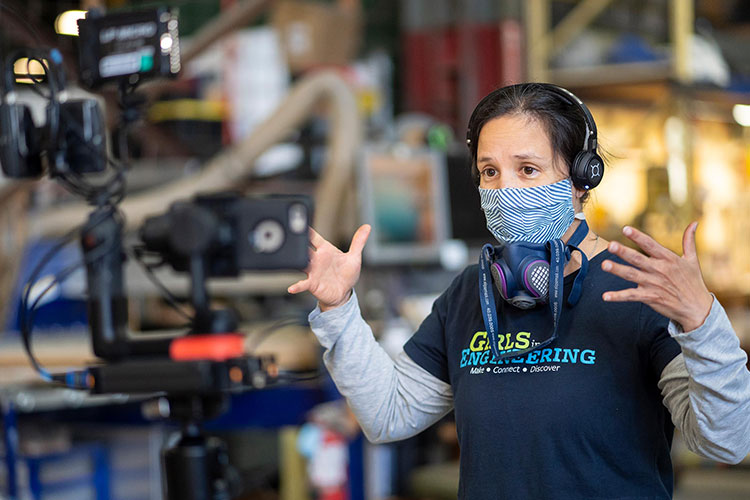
520,156
527,156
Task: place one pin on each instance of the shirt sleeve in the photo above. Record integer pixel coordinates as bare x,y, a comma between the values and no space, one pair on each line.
427,346
662,348
707,389
391,398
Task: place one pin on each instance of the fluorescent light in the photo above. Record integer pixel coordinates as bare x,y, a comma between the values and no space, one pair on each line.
741,113
67,22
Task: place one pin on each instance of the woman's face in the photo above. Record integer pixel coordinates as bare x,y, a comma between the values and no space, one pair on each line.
515,151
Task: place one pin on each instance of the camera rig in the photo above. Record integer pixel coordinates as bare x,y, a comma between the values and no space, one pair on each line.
216,235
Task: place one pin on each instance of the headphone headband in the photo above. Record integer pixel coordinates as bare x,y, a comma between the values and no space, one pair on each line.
589,141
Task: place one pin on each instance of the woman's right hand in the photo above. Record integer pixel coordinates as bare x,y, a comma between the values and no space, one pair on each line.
332,274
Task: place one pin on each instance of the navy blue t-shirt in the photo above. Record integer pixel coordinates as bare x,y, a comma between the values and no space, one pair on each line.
581,418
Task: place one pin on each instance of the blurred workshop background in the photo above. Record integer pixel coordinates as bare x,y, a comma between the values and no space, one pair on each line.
363,105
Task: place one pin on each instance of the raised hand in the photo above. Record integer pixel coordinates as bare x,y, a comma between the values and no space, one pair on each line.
671,284
332,273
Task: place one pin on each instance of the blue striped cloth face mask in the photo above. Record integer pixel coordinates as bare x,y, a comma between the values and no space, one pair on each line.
533,214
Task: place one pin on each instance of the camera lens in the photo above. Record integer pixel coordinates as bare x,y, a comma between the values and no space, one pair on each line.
267,237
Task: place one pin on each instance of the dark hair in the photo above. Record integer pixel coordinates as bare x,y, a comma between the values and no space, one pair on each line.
563,120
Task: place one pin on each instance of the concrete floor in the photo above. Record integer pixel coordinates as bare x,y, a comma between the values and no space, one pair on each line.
713,484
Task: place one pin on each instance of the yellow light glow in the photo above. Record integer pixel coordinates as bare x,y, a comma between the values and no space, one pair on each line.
32,68
67,22
741,114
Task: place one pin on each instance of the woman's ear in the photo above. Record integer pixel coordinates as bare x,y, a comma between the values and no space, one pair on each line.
578,194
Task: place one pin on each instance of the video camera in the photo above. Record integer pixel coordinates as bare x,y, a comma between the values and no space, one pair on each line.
214,235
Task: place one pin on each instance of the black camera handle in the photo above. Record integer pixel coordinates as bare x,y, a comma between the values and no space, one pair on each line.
207,320
101,243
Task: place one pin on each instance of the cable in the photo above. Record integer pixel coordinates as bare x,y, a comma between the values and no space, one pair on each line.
256,341
112,190
298,376
27,326
283,375
115,184
105,195
43,262
54,91
168,295
26,323
28,312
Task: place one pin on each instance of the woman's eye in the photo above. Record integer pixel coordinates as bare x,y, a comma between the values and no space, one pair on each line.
528,170
489,172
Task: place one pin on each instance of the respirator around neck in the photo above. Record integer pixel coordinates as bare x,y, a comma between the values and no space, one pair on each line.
521,270
527,274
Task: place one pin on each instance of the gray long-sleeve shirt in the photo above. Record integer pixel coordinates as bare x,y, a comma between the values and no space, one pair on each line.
706,388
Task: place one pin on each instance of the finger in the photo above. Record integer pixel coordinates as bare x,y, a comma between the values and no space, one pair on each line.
316,240
688,241
629,273
627,295
631,256
359,239
647,243
300,286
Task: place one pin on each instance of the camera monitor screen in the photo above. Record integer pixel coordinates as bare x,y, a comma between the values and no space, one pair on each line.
403,195
123,44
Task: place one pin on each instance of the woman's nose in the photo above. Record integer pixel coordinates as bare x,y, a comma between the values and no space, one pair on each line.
506,180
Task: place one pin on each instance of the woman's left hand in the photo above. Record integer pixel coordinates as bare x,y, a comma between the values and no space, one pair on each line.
671,284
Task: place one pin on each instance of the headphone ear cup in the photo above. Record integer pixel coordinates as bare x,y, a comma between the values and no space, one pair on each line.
19,146
587,171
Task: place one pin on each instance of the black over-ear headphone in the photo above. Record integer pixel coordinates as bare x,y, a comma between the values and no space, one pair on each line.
588,168
22,143
76,143
20,147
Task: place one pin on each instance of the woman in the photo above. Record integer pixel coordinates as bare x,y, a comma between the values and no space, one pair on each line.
644,347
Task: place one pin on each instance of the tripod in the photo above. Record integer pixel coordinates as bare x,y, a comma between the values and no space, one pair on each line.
196,467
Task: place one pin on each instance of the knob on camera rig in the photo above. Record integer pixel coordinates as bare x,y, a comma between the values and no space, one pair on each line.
212,235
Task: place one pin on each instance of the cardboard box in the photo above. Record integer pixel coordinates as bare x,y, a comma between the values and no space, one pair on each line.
317,34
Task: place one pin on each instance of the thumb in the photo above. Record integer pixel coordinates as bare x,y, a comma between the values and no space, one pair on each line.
688,241
300,286
359,239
